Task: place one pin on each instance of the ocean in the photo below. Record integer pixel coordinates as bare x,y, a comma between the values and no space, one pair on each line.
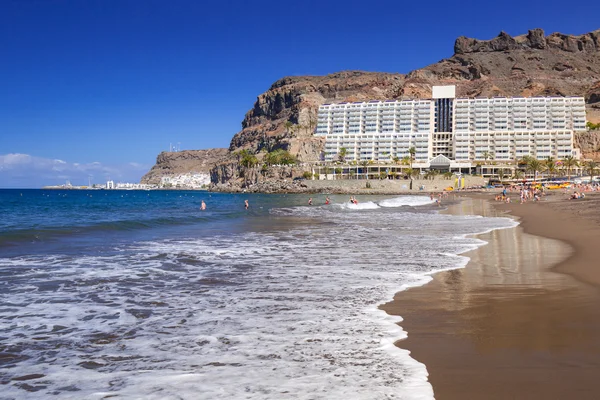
140,294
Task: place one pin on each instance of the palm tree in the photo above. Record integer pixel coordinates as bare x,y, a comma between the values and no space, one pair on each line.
396,160
247,159
591,167
487,154
448,175
517,174
342,154
550,165
524,161
570,162
552,170
431,174
501,174
535,166
414,173
412,151
338,171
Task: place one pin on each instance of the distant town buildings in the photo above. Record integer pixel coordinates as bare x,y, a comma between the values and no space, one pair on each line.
460,130
189,180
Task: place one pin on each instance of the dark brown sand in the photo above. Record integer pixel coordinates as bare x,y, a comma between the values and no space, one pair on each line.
522,320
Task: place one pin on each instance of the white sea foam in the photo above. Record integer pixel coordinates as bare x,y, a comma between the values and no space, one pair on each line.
259,315
367,205
406,201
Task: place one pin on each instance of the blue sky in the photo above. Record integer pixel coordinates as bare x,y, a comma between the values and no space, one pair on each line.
100,87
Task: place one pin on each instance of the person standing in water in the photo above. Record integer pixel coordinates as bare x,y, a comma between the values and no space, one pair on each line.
310,201
203,205
246,204
326,200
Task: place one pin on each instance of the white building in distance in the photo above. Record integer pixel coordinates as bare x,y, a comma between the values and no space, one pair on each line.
460,129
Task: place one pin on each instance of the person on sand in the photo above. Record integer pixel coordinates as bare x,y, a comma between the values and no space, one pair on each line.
310,201
203,205
246,204
326,200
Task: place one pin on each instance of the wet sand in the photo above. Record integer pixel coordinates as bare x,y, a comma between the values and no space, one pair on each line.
522,320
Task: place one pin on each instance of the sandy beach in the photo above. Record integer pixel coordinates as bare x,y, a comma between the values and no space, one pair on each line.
522,320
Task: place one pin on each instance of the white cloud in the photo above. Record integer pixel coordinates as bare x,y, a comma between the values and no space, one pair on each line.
24,170
15,159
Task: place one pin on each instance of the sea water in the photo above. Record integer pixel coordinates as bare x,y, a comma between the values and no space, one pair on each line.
138,294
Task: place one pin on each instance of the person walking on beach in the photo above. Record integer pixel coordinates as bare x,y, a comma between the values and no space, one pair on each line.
246,204
203,205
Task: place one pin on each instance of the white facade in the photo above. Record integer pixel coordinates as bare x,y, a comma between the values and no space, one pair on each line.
510,128
443,92
460,129
377,130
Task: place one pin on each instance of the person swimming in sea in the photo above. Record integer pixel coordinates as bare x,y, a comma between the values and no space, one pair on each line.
203,205
326,200
246,204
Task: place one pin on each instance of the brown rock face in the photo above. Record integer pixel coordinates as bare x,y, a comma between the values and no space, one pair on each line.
526,65
592,97
182,162
295,101
534,39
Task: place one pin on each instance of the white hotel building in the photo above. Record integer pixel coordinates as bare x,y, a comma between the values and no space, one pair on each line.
461,129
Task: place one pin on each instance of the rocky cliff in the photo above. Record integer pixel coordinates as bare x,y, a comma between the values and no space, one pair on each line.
182,162
526,65
284,117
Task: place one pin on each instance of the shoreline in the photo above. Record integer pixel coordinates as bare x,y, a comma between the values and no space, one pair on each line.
519,320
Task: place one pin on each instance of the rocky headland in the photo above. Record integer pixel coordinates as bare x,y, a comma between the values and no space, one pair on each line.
284,117
171,164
